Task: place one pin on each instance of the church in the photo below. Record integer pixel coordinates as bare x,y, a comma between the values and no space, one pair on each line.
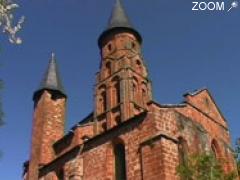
128,135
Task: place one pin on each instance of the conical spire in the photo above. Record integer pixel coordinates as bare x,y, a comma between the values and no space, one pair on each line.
119,21
51,79
119,17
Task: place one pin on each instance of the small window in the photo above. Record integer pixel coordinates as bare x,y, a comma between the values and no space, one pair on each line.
133,45
109,47
117,87
104,101
144,92
138,66
138,62
116,94
144,96
134,91
108,69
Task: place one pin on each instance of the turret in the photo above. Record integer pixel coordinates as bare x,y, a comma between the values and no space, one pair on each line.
123,88
48,120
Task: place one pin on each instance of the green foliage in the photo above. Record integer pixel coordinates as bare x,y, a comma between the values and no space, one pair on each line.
203,167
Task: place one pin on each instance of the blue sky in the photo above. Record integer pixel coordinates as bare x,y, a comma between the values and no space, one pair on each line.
183,49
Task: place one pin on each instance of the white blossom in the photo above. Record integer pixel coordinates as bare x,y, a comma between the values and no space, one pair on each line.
7,8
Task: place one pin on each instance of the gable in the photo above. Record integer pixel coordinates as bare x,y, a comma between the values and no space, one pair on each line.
204,102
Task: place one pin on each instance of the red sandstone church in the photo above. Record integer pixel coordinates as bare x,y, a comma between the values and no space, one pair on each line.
128,135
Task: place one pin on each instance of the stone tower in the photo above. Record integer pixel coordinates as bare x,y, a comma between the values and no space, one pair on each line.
48,119
123,88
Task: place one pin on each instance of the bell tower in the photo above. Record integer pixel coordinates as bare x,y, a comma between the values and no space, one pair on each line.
48,120
123,88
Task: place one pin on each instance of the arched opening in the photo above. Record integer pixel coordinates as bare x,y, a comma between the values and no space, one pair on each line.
182,151
138,66
117,87
133,45
120,162
215,149
109,47
134,89
116,94
108,69
102,100
144,93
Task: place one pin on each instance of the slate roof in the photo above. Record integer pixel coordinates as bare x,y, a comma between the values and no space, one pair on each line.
119,21
118,17
51,79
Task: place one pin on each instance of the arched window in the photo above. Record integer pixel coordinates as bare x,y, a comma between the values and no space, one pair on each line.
134,89
117,87
109,47
116,91
138,66
182,151
133,45
215,148
108,69
144,93
120,163
102,101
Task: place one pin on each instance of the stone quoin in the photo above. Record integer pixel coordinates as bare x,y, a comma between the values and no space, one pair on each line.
127,135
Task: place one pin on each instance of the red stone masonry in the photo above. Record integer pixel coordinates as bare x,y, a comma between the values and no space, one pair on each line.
48,127
151,147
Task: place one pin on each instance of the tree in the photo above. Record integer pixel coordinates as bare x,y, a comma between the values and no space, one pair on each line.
203,166
7,8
